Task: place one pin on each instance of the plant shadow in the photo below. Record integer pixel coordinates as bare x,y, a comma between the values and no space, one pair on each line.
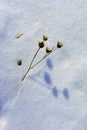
49,64
47,78
55,92
43,78
66,93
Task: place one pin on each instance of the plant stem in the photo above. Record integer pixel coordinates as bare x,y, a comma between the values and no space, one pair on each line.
31,67
39,61
43,58
30,64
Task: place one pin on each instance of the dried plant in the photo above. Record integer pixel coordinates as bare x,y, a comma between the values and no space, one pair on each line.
18,36
41,44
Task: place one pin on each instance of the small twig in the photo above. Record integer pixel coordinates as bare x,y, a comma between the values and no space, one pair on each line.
30,64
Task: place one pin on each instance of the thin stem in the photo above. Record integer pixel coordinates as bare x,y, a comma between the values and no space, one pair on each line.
43,58
39,61
30,64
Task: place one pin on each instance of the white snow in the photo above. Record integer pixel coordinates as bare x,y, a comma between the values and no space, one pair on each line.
53,96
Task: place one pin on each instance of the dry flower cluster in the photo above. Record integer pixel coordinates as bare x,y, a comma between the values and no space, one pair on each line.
41,44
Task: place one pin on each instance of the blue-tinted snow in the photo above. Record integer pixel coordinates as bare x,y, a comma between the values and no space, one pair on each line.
53,96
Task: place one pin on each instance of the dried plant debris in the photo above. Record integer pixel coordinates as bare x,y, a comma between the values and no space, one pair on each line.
18,36
41,44
59,44
19,62
48,50
45,38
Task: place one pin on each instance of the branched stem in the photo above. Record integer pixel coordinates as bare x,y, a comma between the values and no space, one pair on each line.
48,51
43,58
30,64
31,67
39,61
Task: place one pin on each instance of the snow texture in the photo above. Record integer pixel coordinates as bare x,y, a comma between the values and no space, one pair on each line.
53,96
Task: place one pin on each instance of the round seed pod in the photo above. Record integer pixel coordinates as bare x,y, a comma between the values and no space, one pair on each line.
19,62
59,44
48,50
45,38
41,44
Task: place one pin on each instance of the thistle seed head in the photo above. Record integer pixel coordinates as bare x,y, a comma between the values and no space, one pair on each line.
59,44
48,50
45,38
41,44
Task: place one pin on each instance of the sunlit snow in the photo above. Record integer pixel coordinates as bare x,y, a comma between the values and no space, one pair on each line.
53,95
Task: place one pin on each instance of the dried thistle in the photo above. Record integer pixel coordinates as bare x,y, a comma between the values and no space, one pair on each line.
59,44
48,50
45,38
41,44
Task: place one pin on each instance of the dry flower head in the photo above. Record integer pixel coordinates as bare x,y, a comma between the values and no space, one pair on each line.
48,50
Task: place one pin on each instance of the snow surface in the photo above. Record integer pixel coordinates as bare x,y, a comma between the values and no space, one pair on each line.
54,94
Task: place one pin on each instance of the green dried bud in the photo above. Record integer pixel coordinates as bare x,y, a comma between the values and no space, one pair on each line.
48,50
41,44
59,44
45,38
